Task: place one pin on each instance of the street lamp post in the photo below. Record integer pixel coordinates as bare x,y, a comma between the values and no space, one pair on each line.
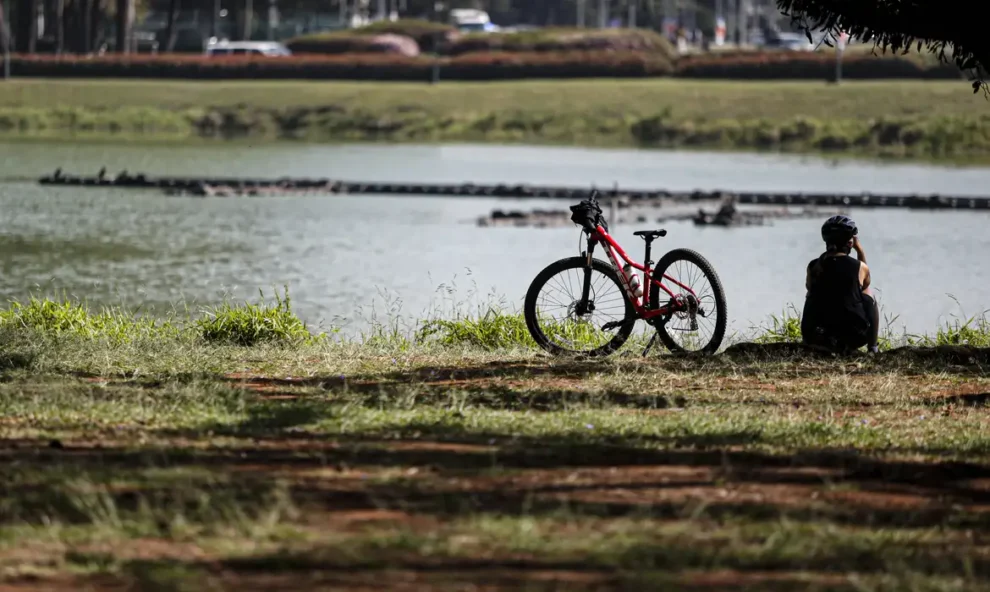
272,19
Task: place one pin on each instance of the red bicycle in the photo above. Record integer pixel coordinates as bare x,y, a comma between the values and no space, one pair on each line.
686,317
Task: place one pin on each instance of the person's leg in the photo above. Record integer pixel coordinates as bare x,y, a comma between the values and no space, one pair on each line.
873,313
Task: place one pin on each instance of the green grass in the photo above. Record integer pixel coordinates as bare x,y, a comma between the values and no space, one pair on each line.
970,331
134,456
243,324
251,324
896,118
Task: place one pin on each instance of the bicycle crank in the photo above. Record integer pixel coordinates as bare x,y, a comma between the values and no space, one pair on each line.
652,342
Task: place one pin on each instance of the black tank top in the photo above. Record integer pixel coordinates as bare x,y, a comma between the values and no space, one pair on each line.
835,297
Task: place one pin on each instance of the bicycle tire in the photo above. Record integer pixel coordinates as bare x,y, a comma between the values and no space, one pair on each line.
546,343
719,293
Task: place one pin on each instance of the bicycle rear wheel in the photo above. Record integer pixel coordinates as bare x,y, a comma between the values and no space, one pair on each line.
554,314
699,318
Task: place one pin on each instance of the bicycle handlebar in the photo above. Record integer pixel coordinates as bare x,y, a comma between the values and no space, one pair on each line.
588,213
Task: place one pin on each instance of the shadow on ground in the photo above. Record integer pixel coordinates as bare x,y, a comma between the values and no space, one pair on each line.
444,472
438,472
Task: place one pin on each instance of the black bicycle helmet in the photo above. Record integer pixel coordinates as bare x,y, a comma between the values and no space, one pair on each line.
838,229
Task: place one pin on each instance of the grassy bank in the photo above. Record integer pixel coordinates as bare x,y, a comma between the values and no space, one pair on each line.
164,456
917,119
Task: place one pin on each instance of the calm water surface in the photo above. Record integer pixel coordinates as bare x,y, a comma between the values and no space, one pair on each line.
346,258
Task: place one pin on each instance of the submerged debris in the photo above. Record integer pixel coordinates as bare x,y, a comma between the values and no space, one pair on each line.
626,198
562,218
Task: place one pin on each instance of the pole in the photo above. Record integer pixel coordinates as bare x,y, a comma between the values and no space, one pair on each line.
214,16
631,23
580,13
272,19
613,206
840,47
125,24
602,14
247,21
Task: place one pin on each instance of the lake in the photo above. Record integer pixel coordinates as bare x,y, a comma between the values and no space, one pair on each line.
346,259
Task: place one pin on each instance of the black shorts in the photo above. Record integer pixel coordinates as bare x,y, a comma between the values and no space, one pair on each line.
851,339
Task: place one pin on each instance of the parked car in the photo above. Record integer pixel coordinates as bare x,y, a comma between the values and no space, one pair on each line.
259,48
470,20
790,42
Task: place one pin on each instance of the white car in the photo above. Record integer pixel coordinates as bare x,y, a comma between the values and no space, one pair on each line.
260,48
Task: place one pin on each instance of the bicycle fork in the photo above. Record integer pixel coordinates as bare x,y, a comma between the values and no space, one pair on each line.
585,305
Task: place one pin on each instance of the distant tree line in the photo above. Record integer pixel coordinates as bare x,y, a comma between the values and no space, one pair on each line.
82,26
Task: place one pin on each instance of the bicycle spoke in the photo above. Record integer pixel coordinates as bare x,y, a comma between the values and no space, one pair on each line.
694,321
558,302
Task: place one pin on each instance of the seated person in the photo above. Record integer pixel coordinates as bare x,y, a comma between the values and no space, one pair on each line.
840,312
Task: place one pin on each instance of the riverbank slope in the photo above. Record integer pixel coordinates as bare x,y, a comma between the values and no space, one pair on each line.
930,119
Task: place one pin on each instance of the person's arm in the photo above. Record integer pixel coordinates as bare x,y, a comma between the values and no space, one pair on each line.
860,251
864,274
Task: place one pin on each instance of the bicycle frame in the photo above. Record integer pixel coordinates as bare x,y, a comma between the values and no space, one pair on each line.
615,252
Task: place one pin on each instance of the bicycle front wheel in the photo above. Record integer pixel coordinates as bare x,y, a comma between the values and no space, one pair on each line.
561,323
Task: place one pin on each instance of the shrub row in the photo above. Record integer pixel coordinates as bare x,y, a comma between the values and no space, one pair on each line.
336,43
443,39
407,37
808,65
555,40
488,66
493,65
427,34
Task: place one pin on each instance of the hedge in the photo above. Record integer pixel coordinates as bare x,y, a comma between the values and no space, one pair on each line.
488,66
491,65
425,34
339,43
809,66
569,64
561,39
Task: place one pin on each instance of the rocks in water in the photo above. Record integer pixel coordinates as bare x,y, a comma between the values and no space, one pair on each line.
536,218
729,217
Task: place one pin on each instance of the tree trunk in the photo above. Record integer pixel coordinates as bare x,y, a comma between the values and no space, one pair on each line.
95,23
170,33
125,25
85,25
59,26
26,26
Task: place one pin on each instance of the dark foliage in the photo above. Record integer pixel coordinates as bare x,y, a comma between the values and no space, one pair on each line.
944,27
